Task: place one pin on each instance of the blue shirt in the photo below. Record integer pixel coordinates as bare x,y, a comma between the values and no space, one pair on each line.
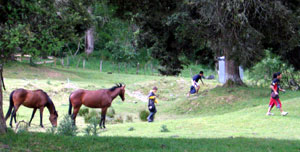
275,83
197,78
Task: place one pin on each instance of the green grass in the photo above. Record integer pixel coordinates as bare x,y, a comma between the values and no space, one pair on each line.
47,142
218,119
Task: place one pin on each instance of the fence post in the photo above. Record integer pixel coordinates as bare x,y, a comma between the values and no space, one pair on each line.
137,68
68,62
62,62
101,65
119,67
78,62
83,64
151,68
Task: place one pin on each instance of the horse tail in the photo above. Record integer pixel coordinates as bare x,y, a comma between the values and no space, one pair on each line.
11,105
70,105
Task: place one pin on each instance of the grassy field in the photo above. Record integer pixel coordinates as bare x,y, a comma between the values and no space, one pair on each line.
218,119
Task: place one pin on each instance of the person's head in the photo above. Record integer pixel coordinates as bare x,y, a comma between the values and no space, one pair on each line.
154,89
279,75
201,73
274,75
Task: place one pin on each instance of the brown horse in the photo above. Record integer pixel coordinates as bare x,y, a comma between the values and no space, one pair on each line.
95,99
36,99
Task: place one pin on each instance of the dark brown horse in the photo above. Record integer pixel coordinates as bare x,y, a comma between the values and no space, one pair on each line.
95,99
36,99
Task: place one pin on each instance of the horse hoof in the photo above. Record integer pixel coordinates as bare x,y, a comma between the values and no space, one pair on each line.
42,126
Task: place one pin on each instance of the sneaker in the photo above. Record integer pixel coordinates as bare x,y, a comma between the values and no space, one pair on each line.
269,114
284,113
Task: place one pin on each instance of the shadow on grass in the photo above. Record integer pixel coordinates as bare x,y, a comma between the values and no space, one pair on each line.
48,142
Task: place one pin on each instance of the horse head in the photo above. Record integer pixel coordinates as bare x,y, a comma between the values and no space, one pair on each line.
53,118
122,92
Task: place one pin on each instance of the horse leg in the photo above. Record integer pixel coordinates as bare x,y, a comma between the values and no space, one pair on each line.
41,117
103,114
33,112
13,116
74,115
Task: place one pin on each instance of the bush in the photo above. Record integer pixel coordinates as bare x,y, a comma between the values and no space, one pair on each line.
164,129
111,112
119,119
51,130
83,111
92,127
131,129
66,127
129,118
91,114
22,127
144,114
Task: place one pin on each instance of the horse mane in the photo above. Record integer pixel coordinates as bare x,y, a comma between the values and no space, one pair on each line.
49,101
115,87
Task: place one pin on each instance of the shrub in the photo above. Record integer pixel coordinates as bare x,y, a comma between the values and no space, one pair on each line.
66,127
22,127
83,111
129,118
164,129
51,130
144,114
111,112
92,127
119,119
91,114
131,129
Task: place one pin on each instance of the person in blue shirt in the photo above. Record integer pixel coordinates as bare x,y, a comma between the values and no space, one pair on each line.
195,81
151,104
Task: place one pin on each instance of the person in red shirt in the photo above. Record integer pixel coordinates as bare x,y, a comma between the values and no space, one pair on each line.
274,100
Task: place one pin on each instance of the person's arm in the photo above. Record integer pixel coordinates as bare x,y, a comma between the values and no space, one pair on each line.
275,91
202,81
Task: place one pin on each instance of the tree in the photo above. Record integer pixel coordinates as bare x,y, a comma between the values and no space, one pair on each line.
238,29
2,120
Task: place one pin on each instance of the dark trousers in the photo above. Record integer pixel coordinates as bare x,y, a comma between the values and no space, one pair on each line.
152,110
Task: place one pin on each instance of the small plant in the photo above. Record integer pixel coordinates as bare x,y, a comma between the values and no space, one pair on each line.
92,127
144,114
51,130
164,128
83,111
22,127
66,127
131,129
129,118
91,114
49,82
111,112
119,119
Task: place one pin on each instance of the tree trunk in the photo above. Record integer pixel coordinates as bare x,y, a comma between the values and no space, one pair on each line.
2,121
89,37
232,73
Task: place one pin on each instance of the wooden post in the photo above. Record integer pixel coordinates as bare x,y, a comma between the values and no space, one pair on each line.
78,62
54,61
152,68
83,64
2,119
101,65
119,67
125,66
191,72
62,62
137,68
145,68
68,62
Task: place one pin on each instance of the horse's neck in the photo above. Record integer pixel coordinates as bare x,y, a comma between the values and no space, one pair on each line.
51,108
115,93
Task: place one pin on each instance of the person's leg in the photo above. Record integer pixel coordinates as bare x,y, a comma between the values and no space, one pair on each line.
149,118
271,105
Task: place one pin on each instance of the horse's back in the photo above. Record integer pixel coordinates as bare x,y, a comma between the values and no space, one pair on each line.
90,98
30,98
